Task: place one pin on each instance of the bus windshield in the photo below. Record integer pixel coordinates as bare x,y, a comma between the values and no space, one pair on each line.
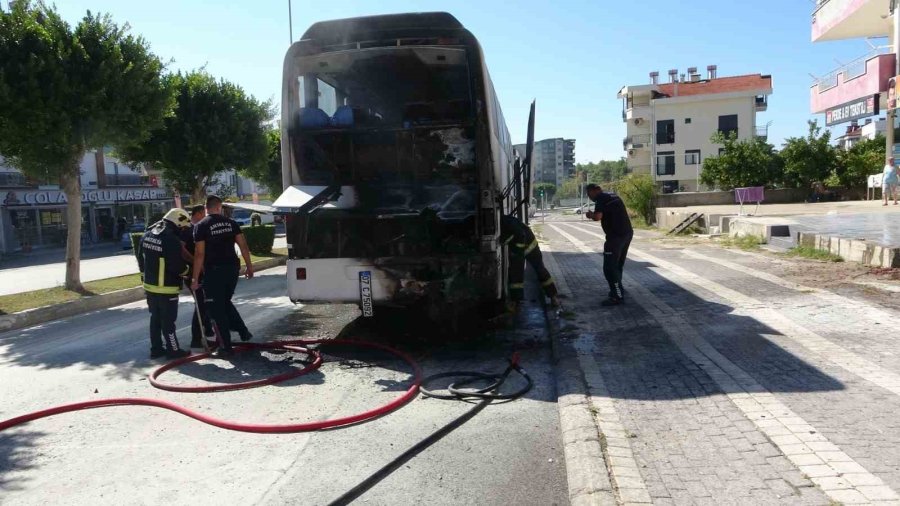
395,122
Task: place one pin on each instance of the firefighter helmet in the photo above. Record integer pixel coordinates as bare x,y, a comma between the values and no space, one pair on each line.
179,217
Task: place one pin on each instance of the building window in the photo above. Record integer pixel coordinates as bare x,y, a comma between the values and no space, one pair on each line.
687,121
665,131
728,124
665,163
692,157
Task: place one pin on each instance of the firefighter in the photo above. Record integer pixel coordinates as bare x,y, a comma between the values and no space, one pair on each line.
163,266
523,246
215,259
199,328
610,211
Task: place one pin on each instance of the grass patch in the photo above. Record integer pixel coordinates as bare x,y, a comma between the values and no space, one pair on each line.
814,254
49,296
745,242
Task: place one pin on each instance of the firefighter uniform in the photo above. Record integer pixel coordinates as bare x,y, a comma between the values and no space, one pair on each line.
221,268
523,246
162,269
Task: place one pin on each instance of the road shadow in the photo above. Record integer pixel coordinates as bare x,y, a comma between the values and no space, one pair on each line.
639,360
249,365
17,449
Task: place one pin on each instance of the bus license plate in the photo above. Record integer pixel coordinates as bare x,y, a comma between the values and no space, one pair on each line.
365,293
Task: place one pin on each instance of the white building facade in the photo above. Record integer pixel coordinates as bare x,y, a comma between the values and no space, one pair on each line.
669,126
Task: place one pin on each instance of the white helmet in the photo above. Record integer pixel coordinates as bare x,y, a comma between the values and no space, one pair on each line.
178,217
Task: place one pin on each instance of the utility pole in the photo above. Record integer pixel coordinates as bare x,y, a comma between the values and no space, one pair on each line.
891,113
290,23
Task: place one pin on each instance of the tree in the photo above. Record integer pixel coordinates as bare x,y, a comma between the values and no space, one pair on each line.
269,173
865,158
215,127
637,192
750,162
65,90
570,189
604,171
808,159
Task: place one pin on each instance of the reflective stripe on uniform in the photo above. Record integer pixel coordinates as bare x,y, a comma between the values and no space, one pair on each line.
164,290
548,282
161,280
534,244
513,286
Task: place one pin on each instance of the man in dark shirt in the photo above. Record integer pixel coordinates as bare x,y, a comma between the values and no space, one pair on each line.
198,212
613,217
215,259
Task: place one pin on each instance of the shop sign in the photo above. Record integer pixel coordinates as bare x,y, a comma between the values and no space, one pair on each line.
56,197
856,109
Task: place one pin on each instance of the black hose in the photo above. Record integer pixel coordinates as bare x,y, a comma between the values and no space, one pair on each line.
486,395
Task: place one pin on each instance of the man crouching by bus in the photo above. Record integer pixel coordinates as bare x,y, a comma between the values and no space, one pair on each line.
162,267
523,246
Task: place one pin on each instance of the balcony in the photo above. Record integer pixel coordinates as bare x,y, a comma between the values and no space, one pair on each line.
127,180
640,141
862,77
638,169
762,103
762,132
850,19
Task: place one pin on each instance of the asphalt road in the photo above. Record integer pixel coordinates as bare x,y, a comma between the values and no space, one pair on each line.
49,275
508,454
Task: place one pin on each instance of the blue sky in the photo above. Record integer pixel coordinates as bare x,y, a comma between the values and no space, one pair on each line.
572,56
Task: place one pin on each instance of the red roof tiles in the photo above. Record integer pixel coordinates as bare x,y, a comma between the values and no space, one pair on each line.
752,82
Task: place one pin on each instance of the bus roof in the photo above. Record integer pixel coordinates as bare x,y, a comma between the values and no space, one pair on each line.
335,31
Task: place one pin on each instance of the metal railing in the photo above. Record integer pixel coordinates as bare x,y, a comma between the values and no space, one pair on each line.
762,132
851,70
818,4
638,140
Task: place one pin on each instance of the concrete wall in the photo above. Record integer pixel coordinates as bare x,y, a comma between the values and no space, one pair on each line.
721,198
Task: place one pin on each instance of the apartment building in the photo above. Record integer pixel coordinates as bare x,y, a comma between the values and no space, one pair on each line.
860,88
856,132
669,125
554,160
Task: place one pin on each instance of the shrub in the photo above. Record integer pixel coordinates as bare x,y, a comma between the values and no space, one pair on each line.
637,192
136,244
260,239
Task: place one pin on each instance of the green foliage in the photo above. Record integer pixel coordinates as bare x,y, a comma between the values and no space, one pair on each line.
570,189
260,239
865,158
216,126
808,159
637,192
269,173
603,171
136,243
750,162
549,190
64,90
814,254
744,242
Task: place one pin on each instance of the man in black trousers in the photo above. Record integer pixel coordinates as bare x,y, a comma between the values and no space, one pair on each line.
613,217
216,260
199,328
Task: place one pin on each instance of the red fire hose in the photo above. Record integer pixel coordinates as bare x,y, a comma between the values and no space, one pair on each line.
296,345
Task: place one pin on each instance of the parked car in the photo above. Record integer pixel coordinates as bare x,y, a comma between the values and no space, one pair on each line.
243,216
125,240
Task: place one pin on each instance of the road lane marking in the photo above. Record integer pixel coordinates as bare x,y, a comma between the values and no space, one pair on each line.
822,463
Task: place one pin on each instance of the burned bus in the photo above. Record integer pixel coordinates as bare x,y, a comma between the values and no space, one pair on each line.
397,164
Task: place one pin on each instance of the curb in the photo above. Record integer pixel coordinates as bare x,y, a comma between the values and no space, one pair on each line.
586,472
37,316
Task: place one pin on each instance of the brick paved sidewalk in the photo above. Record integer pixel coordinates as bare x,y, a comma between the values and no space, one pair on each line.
720,384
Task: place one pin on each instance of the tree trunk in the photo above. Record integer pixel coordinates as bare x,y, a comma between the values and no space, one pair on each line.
71,184
198,196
